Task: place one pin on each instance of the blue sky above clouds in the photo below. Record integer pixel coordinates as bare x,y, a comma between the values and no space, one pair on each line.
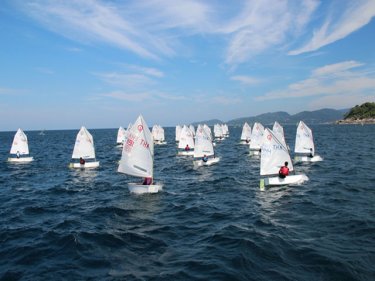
102,63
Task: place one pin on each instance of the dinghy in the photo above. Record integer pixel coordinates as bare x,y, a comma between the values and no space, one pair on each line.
158,135
121,136
273,155
246,134
218,132
20,148
84,150
304,148
186,141
256,139
138,158
204,154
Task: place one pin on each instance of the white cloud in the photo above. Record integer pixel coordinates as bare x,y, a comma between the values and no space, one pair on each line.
332,79
128,81
146,70
341,101
356,14
133,97
247,80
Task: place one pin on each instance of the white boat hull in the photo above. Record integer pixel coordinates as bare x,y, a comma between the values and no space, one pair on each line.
137,188
86,165
211,161
288,180
21,159
254,152
316,158
160,142
186,153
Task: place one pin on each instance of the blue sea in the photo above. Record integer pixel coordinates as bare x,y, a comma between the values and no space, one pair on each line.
212,223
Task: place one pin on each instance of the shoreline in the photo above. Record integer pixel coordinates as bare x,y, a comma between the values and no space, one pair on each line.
356,121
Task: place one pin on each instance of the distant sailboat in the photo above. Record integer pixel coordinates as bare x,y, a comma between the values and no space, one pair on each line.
158,135
20,148
304,147
138,158
84,150
246,134
121,136
273,155
178,133
186,143
204,154
256,139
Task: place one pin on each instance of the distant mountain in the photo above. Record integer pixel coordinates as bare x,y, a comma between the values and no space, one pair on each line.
366,110
320,116
209,122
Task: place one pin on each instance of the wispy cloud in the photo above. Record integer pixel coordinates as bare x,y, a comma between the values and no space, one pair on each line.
224,100
265,24
143,96
125,80
44,70
246,80
146,70
335,79
355,14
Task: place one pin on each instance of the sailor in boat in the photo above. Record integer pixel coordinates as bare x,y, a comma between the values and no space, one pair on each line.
147,181
18,154
311,155
284,170
247,140
82,161
205,158
187,148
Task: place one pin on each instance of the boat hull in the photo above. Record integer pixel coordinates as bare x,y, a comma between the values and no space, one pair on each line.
160,142
21,159
84,166
316,158
244,142
137,188
186,153
254,152
199,163
288,180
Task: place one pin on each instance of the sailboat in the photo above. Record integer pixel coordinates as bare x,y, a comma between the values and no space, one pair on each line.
304,148
178,133
158,135
84,150
20,148
204,154
186,141
273,155
218,132
246,134
256,139
138,158
121,136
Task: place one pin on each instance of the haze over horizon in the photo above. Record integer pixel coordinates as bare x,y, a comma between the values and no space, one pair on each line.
102,63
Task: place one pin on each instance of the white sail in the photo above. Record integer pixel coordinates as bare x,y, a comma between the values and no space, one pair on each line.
304,139
186,138
20,143
257,136
158,133
218,131
203,144
278,130
273,154
138,152
84,145
208,131
246,132
178,132
192,129
121,135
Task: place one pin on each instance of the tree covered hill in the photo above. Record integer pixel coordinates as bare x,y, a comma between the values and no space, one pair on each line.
364,111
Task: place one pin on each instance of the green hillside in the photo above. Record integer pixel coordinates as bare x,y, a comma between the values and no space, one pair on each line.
364,111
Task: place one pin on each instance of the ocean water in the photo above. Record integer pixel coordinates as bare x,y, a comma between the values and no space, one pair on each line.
208,224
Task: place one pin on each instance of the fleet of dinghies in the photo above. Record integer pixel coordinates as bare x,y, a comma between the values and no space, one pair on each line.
137,158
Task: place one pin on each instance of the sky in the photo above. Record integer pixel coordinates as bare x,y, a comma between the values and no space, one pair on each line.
99,64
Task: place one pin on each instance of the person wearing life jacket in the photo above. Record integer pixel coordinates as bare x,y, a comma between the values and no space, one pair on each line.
187,148
147,181
284,171
205,158
82,161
